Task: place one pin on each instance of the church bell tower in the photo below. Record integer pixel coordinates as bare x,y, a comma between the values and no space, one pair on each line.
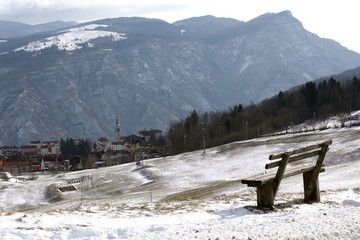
117,130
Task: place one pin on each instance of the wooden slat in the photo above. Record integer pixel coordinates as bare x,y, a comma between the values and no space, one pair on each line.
300,150
268,177
293,159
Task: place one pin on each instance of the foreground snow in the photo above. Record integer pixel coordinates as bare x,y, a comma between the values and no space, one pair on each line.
191,196
226,217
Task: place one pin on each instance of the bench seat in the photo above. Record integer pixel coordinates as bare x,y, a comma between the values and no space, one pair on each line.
259,180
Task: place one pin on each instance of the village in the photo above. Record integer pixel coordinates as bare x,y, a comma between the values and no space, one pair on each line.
49,156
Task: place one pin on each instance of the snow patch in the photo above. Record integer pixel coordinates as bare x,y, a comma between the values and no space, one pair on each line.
71,39
248,62
7,176
307,76
141,175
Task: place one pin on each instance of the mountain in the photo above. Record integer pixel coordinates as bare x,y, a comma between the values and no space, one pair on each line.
204,28
344,76
76,81
274,52
11,30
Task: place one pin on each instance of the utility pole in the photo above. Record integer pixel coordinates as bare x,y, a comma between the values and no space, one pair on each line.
246,130
204,145
185,141
314,123
350,114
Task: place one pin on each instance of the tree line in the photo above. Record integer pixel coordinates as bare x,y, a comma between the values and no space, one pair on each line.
311,101
80,148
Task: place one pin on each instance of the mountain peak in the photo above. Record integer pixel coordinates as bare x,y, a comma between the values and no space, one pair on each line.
204,20
206,26
271,15
286,12
283,19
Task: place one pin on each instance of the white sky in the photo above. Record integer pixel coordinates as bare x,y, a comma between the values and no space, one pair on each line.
333,19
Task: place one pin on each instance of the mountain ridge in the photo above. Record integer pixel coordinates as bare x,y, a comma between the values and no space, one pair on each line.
153,74
13,30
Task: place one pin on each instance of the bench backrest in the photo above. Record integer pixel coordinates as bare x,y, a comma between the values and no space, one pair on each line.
298,154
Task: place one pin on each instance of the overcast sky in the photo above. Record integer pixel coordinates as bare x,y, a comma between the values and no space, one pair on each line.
333,19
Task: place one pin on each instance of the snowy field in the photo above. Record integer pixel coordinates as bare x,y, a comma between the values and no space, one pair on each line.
190,196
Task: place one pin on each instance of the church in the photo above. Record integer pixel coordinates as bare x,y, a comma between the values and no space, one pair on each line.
117,145
117,130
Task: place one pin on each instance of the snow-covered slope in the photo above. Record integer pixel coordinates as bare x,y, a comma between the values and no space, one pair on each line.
71,39
192,195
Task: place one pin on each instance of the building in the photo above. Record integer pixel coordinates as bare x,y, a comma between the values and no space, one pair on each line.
29,150
151,135
53,146
44,150
115,158
10,150
36,167
36,143
134,141
56,149
118,146
103,144
111,160
16,165
93,157
2,164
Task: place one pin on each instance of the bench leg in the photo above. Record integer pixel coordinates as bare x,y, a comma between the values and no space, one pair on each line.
314,196
265,195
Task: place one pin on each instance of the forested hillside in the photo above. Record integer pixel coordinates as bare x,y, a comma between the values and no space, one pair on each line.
311,101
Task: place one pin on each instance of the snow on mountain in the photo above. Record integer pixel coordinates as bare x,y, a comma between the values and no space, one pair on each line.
71,39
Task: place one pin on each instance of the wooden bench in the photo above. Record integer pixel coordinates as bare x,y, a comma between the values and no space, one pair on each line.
267,184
